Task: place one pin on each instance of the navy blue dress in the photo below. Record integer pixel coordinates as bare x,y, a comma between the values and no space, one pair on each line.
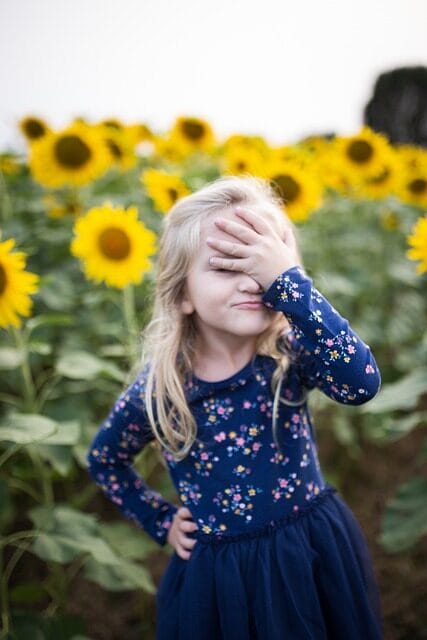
279,554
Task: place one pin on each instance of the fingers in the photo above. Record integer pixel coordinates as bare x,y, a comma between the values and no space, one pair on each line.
229,248
226,263
244,233
185,544
254,220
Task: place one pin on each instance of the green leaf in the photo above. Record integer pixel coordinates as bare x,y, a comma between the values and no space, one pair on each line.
10,358
68,533
50,319
42,348
51,547
403,394
25,428
120,577
138,545
67,433
60,457
405,518
80,365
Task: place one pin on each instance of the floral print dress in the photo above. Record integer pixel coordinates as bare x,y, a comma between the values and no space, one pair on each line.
279,554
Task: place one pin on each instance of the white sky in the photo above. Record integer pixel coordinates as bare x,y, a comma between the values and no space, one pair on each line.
279,68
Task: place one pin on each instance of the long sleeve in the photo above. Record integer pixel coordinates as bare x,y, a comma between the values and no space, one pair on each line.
123,434
329,354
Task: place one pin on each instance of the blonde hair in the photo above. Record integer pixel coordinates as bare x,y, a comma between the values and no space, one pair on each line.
170,337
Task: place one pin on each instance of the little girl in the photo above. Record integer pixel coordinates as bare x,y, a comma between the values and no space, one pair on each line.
264,547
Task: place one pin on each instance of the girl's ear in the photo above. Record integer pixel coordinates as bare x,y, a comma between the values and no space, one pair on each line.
187,306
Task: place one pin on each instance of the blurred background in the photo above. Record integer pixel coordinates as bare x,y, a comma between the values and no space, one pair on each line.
110,112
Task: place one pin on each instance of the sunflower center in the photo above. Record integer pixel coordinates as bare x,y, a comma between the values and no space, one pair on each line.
173,194
287,188
72,152
115,149
360,151
34,129
417,186
3,279
193,130
114,243
381,178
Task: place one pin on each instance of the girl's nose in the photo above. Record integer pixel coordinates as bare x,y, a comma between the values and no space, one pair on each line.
246,283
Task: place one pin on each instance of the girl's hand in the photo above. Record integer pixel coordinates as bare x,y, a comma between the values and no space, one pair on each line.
176,535
264,255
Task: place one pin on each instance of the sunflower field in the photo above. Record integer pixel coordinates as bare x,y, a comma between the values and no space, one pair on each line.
81,213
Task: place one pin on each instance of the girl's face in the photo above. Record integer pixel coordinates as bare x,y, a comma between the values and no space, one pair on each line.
225,304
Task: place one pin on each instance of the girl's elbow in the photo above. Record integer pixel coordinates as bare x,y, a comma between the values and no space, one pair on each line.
369,391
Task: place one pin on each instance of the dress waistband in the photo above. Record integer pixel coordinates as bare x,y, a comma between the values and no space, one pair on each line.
268,527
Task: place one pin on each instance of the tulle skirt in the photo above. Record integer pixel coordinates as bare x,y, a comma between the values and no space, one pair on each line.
308,576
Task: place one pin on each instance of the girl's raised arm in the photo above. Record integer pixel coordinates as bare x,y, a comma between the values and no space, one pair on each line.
123,434
330,355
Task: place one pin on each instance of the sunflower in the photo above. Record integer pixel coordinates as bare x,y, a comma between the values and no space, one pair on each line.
112,123
139,132
60,209
33,128
16,285
418,242
383,184
74,156
250,142
412,186
165,148
299,188
114,245
120,146
362,155
163,188
240,159
413,157
192,134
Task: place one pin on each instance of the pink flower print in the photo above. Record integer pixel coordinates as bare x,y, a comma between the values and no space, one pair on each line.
329,342
247,404
220,411
256,446
295,418
237,497
204,456
220,436
351,349
369,369
240,442
283,483
277,495
263,407
295,295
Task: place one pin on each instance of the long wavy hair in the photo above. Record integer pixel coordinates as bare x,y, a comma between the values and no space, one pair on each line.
169,340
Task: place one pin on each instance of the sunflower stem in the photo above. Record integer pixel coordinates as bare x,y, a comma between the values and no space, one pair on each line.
5,201
28,388
131,323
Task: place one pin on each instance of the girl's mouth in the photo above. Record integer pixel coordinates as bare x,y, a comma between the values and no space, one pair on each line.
250,305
